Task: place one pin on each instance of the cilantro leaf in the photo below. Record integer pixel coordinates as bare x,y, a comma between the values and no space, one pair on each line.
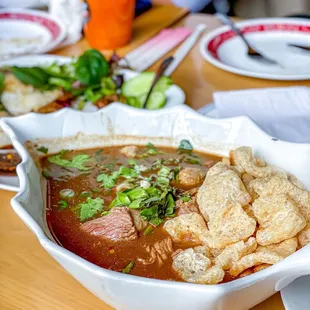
127,172
149,213
156,221
185,198
63,204
108,181
42,149
77,162
90,208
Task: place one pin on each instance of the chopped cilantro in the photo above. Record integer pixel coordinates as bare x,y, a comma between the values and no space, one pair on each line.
121,200
136,204
42,149
185,147
164,172
108,181
148,230
170,205
149,213
77,162
63,204
128,173
156,221
193,161
85,194
151,149
137,193
131,162
129,267
104,213
96,190
185,198
90,208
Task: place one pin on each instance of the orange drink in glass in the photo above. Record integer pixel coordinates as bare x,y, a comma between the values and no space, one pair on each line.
110,23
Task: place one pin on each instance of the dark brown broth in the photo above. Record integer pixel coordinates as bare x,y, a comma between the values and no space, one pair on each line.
65,224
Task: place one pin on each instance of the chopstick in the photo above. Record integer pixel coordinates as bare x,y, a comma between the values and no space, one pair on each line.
186,46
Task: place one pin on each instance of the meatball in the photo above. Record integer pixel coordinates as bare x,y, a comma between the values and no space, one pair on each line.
129,151
191,177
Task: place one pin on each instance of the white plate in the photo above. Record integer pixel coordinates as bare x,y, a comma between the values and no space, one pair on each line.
270,36
175,95
25,31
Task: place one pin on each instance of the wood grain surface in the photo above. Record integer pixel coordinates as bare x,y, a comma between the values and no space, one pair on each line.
29,278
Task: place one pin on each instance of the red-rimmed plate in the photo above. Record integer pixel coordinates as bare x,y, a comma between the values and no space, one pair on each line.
28,32
271,37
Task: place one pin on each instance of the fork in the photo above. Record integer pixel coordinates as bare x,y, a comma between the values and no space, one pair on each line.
305,48
251,51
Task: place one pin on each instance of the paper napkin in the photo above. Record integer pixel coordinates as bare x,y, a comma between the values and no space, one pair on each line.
283,113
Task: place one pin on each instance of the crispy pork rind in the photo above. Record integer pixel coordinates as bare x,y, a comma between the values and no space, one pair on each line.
304,236
264,255
279,219
186,228
283,249
195,267
220,200
260,267
235,252
220,185
230,227
280,185
242,158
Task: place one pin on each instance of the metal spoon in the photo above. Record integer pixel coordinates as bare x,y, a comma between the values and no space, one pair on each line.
164,65
251,51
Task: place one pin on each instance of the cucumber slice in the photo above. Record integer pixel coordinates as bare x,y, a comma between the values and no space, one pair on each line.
157,100
141,84
135,102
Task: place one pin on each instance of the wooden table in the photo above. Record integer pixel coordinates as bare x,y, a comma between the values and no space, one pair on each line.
29,278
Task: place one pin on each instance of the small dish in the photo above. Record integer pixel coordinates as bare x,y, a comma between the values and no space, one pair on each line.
270,36
26,31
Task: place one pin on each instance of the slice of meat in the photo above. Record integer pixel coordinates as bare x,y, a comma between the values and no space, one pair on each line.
159,252
185,207
116,226
279,219
196,268
191,177
129,151
140,224
186,228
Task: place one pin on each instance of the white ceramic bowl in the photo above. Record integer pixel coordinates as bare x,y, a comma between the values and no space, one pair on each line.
167,127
